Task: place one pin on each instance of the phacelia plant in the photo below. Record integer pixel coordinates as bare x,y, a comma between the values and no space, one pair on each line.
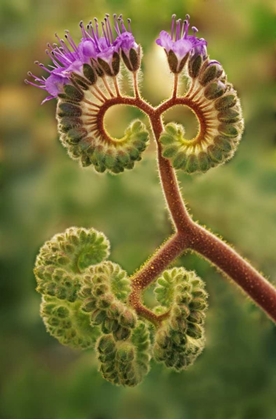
89,301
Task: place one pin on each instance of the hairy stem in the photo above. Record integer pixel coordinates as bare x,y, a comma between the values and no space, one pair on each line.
202,241
188,234
175,85
171,249
234,266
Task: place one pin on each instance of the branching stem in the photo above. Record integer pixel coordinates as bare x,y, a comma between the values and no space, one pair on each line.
188,234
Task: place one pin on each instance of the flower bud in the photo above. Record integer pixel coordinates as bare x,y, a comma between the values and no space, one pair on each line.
214,90
89,73
132,60
227,101
184,295
194,65
67,324
127,364
73,94
67,109
211,71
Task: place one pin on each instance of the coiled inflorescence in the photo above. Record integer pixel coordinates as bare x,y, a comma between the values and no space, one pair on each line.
124,349
84,78
82,133
58,270
104,293
125,362
180,339
210,96
84,304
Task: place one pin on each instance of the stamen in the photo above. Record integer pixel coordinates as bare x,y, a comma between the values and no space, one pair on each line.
97,28
50,47
123,26
52,58
61,41
71,41
83,32
194,29
173,25
110,30
88,27
178,30
129,24
94,35
105,35
186,28
116,24
121,20
28,82
43,67
60,56
36,79
66,49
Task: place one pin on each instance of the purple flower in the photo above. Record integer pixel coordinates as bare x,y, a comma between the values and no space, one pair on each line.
68,58
179,42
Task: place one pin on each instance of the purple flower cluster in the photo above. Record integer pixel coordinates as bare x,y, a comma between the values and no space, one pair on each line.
179,42
70,57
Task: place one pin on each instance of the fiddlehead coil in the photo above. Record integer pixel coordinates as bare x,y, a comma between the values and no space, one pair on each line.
217,107
125,362
80,114
180,338
58,270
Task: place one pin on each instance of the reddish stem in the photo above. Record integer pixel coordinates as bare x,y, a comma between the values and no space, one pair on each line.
188,233
234,266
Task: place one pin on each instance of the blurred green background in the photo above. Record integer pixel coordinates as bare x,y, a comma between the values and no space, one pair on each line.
43,192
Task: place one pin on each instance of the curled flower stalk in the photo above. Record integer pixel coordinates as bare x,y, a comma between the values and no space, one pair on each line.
89,301
84,79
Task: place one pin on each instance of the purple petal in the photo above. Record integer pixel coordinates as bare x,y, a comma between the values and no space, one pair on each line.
180,42
165,41
107,55
126,41
181,48
87,49
54,84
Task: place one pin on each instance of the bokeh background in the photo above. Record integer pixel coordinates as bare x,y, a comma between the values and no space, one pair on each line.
43,192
